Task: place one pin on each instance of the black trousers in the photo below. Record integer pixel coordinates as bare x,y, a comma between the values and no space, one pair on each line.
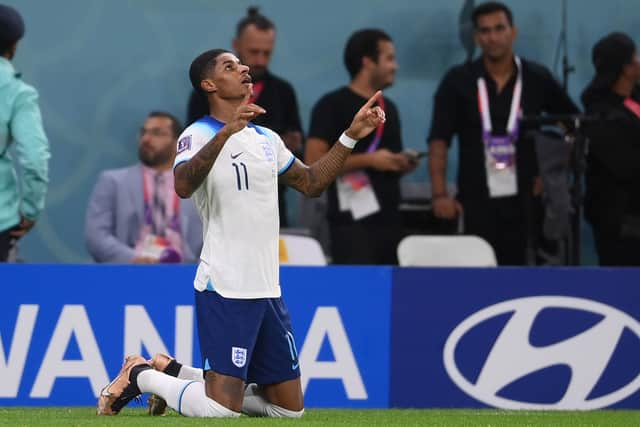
6,242
615,250
503,223
372,244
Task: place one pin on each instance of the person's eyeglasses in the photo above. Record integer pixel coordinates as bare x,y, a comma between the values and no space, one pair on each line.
153,132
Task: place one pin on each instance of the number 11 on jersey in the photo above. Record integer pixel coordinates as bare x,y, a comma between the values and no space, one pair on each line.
238,176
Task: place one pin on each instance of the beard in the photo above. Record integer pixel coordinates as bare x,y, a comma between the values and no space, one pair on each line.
381,82
497,55
151,159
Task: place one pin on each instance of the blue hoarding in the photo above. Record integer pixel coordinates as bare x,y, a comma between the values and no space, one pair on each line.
64,330
366,336
516,338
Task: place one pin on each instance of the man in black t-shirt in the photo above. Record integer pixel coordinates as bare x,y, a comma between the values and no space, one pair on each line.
481,102
364,223
254,43
612,178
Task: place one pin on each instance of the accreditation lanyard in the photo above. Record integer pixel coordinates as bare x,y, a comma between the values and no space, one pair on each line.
632,106
501,149
173,222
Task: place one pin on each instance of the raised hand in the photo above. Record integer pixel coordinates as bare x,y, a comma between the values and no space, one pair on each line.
244,113
366,119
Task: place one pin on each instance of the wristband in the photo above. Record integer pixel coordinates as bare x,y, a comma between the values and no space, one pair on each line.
347,141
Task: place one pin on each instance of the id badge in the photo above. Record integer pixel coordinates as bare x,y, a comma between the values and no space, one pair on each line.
364,203
502,152
355,194
500,155
345,193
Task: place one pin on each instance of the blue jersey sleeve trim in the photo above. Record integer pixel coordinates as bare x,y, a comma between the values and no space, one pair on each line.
180,162
287,166
259,129
212,123
212,127
180,395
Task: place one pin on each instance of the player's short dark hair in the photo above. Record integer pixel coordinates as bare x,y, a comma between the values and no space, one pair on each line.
488,8
362,43
176,126
202,65
254,17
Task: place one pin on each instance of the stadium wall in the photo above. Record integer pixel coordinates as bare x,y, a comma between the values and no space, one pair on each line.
101,66
367,337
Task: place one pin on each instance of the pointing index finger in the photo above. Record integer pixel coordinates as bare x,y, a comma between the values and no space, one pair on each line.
373,99
247,96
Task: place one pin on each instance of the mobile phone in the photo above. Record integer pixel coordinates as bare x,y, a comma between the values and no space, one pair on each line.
415,155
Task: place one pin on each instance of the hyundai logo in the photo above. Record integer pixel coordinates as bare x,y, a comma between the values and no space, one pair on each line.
512,356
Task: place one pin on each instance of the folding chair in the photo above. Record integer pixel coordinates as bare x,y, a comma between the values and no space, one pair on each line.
445,251
300,250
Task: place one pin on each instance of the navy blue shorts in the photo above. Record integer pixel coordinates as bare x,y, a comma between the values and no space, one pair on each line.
249,339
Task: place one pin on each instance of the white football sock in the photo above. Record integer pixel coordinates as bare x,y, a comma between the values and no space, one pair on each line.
190,373
186,397
195,403
255,405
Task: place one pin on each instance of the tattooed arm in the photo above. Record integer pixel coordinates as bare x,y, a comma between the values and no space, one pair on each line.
188,176
313,180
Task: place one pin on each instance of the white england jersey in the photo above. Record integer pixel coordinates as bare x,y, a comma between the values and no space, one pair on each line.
238,205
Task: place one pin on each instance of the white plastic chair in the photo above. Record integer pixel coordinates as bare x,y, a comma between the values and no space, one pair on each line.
300,250
445,251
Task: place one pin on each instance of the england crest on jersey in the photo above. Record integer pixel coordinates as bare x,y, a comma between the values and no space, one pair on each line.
239,356
268,151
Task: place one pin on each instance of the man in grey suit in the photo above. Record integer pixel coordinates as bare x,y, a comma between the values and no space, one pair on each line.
134,214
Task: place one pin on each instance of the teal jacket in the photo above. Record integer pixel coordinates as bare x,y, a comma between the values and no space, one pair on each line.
23,142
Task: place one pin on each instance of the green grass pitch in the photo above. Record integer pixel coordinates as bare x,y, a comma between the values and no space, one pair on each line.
137,416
